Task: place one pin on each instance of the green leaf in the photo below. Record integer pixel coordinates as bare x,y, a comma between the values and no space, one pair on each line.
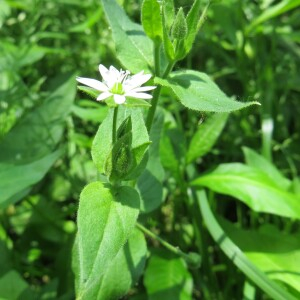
95,113
131,260
257,161
27,151
12,286
192,20
151,20
106,218
168,45
150,182
206,136
103,142
15,178
134,49
169,13
236,255
173,150
278,255
194,23
274,11
167,277
37,134
195,90
253,187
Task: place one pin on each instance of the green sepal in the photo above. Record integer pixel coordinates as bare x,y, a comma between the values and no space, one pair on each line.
124,128
120,159
89,91
134,102
140,161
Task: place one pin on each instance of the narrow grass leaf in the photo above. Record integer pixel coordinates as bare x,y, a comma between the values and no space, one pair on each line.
236,255
252,187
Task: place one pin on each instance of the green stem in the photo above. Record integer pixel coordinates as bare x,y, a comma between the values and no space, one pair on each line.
157,58
152,109
115,118
167,245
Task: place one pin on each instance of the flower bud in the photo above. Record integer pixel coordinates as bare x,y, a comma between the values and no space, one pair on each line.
179,28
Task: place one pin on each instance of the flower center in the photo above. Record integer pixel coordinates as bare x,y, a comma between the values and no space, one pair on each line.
117,88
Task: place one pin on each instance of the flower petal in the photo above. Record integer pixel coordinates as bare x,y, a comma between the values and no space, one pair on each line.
103,71
103,96
119,99
138,95
141,89
93,83
137,80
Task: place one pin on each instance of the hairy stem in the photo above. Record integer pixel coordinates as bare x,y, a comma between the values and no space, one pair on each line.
115,118
156,94
167,245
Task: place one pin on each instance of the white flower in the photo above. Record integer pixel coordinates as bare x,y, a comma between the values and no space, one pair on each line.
119,84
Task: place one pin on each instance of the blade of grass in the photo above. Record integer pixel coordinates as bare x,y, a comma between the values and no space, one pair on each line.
236,255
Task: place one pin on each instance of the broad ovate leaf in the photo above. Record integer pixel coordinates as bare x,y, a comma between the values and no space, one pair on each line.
133,47
196,90
131,260
106,219
167,277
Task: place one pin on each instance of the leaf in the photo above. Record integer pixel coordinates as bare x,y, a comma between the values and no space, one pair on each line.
12,286
151,20
37,134
192,21
167,277
169,13
102,142
252,187
173,150
278,256
27,151
131,260
96,114
150,182
206,136
197,91
235,254
273,11
16,178
257,161
106,219
133,47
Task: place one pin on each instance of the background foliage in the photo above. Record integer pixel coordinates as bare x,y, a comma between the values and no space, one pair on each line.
248,160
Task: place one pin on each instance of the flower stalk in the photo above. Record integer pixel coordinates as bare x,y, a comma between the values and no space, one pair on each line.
115,119
156,94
